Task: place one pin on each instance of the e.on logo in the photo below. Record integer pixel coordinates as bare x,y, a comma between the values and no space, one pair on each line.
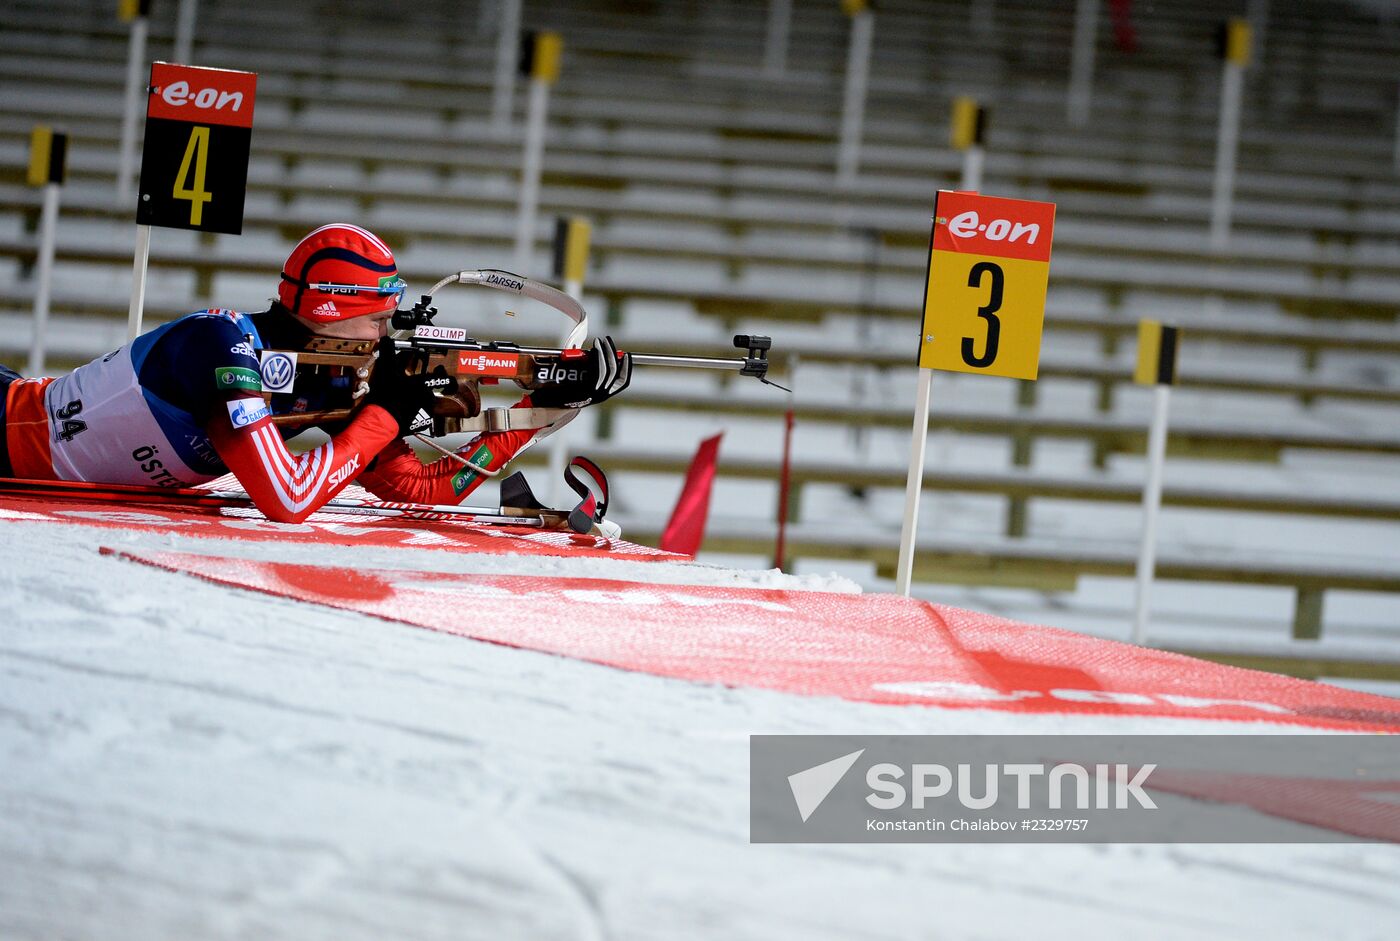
196,95
968,224
178,94
973,224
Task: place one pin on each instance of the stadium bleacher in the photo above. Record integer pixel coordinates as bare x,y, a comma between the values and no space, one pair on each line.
714,202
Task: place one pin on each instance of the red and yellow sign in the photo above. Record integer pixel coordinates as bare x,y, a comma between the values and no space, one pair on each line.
984,298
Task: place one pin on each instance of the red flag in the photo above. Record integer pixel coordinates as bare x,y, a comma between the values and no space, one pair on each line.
686,530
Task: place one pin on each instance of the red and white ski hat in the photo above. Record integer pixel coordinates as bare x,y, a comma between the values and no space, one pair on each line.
337,272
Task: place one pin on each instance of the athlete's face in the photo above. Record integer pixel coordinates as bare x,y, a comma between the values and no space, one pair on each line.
367,327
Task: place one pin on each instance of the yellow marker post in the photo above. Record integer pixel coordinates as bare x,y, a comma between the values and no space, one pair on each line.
1156,362
48,168
967,132
1156,366
1235,40
541,60
545,51
571,237
984,310
963,131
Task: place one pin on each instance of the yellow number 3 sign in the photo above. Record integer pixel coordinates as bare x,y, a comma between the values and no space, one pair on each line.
984,300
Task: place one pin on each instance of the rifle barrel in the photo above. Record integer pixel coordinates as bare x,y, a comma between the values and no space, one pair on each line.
689,362
661,359
638,359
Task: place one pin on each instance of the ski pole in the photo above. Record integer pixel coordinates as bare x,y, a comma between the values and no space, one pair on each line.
195,496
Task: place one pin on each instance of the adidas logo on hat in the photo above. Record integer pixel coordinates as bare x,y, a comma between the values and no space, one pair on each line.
326,311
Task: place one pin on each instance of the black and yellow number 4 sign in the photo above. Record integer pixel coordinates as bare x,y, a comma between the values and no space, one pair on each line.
194,165
193,176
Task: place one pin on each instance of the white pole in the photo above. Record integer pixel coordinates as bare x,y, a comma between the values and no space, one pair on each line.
972,168
507,59
1226,145
1081,63
48,230
853,109
138,282
1151,502
530,169
136,57
776,49
184,31
915,485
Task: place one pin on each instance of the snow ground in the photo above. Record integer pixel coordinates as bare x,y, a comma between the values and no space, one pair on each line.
183,760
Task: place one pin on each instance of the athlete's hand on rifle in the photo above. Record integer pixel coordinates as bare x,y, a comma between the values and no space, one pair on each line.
408,398
587,377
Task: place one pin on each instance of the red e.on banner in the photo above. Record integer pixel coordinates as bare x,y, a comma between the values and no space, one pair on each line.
993,225
201,96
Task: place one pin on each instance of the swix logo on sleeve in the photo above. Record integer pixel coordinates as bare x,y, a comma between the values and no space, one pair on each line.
489,364
244,412
344,473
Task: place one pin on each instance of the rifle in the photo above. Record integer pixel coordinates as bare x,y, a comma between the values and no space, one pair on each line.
461,363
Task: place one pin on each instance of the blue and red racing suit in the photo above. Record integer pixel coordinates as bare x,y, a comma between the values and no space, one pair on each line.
182,405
